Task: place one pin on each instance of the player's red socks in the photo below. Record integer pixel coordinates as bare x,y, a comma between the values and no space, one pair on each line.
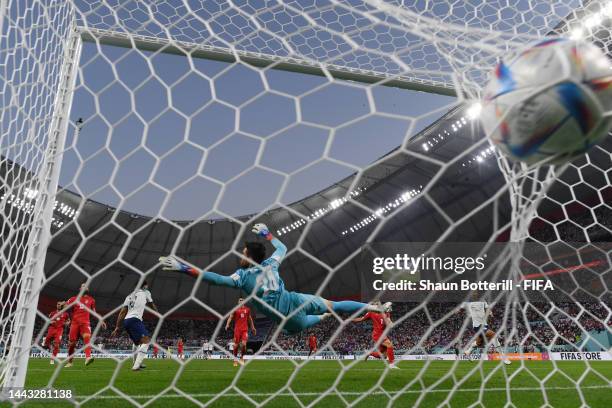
55,349
375,354
87,349
390,355
236,350
71,350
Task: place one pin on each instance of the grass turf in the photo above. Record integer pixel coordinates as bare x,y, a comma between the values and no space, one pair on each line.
327,384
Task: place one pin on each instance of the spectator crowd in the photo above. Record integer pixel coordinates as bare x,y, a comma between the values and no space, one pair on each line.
418,328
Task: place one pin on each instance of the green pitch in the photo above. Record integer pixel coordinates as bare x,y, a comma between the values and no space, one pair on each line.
280,384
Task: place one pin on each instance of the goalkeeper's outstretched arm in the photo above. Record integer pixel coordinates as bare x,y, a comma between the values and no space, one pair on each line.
171,264
280,250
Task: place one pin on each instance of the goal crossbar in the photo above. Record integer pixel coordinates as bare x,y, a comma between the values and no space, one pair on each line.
261,60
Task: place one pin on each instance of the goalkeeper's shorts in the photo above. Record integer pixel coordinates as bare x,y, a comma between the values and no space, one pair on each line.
310,305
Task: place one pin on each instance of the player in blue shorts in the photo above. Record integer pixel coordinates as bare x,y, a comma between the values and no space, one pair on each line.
260,277
131,317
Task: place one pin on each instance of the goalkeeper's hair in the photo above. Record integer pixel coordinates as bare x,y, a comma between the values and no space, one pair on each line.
256,251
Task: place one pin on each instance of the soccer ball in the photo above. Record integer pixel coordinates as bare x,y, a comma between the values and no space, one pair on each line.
547,103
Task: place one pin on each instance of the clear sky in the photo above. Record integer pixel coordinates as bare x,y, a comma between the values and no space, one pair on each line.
154,126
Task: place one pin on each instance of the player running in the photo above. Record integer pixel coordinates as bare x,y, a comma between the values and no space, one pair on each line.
179,348
131,317
59,319
380,321
210,350
260,276
80,326
312,344
478,312
241,317
205,350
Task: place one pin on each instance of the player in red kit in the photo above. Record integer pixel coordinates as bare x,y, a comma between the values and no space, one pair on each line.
312,344
179,346
380,321
241,317
80,326
55,332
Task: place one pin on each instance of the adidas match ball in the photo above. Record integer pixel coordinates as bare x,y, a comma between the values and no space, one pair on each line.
547,103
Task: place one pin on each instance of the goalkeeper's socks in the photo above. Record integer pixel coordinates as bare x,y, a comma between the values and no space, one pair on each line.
349,306
390,355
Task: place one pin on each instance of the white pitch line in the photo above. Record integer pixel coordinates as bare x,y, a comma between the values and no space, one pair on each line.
349,393
306,368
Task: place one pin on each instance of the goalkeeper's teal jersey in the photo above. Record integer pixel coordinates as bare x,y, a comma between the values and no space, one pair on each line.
261,280
266,284
264,281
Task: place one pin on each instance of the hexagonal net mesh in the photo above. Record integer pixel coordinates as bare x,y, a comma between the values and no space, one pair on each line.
135,130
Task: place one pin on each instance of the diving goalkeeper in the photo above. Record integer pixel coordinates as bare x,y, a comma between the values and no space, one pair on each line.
259,276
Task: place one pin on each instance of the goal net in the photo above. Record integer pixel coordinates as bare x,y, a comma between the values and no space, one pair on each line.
132,130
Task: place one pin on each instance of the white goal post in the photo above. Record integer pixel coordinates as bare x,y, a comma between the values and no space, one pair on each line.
31,277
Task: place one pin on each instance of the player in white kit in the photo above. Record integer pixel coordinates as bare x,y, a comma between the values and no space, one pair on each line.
131,316
206,350
478,312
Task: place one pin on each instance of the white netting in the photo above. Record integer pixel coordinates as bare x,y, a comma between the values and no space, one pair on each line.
186,115
32,42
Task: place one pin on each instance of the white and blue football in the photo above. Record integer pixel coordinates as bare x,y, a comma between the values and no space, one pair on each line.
550,103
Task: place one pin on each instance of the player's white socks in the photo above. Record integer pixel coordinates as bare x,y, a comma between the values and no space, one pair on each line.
499,349
468,351
140,355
